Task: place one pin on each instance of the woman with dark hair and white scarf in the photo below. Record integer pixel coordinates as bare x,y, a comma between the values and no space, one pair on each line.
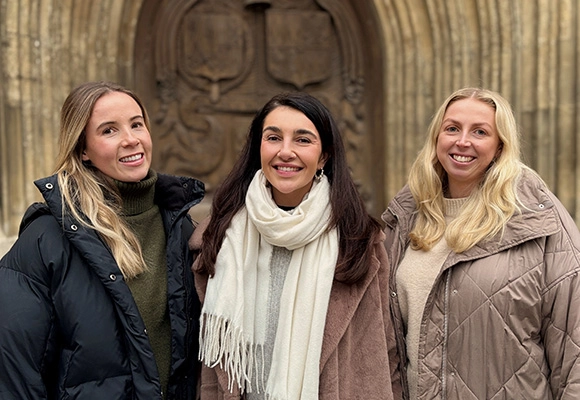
292,271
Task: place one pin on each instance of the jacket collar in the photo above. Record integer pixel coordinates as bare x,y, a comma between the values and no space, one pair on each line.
538,217
178,192
171,192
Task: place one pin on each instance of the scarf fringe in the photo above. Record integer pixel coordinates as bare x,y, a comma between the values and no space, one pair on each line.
234,329
227,348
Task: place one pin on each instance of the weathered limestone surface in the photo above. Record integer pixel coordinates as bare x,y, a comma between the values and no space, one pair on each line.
204,66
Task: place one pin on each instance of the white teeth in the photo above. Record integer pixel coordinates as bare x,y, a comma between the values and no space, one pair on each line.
288,169
462,158
132,158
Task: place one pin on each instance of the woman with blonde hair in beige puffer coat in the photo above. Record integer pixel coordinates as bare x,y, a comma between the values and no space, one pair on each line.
485,261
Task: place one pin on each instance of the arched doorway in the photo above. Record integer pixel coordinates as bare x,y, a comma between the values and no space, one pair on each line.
205,67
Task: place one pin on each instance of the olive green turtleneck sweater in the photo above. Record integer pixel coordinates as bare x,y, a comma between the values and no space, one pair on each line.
150,288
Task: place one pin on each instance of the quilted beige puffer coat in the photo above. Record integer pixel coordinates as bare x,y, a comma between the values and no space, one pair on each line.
502,320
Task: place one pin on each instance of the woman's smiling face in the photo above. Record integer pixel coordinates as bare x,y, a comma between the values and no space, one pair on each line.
117,141
291,153
468,142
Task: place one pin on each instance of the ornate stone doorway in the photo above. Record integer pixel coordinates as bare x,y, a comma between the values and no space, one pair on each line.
205,67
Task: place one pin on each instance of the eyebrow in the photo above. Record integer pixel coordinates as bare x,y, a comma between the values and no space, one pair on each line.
299,131
102,124
454,121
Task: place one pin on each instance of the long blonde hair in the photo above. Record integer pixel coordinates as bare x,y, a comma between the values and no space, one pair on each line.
489,206
89,195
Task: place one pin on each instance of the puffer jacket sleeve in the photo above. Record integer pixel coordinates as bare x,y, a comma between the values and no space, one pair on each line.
561,309
27,317
395,242
394,361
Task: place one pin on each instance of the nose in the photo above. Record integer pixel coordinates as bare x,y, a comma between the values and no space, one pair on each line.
130,138
463,140
286,151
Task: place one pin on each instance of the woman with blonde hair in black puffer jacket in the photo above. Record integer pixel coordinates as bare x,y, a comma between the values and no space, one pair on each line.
97,300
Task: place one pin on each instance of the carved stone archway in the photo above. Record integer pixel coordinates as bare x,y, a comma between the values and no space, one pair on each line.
392,62
206,67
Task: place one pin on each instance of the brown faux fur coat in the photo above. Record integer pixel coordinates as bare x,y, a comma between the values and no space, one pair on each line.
359,358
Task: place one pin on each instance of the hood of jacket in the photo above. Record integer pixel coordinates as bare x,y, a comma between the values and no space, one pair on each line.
537,217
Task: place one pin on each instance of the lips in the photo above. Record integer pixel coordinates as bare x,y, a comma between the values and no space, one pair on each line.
287,169
134,157
462,159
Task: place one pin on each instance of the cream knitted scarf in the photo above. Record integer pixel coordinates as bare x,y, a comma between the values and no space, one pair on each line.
234,314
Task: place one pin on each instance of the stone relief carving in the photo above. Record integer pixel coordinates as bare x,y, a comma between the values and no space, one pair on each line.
297,50
217,62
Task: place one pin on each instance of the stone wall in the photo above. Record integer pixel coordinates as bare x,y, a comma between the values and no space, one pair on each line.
425,49
526,50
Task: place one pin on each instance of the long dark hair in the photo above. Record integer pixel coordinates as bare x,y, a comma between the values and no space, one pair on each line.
356,228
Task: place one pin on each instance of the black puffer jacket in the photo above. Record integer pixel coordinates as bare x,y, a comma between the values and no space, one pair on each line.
69,327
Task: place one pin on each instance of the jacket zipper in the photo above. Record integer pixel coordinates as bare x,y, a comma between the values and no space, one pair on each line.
445,337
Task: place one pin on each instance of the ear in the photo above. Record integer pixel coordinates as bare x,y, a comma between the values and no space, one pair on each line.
85,157
322,161
499,150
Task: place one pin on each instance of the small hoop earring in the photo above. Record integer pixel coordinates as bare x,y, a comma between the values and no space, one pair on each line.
319,174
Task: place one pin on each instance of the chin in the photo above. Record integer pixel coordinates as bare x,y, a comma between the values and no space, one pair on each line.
134,179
